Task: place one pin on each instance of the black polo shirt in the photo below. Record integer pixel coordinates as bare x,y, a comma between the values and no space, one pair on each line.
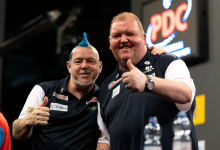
72,123
126,113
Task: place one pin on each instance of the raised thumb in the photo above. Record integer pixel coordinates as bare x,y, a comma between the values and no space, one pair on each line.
44,102
130,65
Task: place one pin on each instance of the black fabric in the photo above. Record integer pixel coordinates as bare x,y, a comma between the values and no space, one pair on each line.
75,129
127,113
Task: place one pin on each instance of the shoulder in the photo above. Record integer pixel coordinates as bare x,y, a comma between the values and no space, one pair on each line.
51,85
164,60
48,84
167,58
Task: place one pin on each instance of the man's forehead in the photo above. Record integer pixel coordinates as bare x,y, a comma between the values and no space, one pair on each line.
85,53
130,24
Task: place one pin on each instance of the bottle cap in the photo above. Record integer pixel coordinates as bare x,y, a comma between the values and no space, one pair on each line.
152,119
181,114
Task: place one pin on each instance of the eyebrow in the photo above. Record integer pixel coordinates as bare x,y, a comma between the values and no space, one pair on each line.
85,58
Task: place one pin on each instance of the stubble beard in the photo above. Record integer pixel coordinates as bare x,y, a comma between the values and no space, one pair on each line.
84,84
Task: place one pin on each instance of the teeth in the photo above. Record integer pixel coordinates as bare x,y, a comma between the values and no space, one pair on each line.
124,47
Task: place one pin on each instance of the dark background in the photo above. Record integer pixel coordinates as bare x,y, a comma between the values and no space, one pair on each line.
37,61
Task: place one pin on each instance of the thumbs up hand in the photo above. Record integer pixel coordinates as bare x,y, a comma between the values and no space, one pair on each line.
40,115
134,80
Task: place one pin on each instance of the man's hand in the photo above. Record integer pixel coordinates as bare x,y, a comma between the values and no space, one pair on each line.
158,50
40,115
22,128
134,80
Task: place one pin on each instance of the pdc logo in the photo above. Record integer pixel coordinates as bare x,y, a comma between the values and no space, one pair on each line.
167,24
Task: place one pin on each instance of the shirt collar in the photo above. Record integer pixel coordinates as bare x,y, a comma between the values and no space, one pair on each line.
144,62
65,84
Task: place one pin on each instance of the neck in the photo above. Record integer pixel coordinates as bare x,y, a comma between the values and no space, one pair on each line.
124,67
78,90
123,63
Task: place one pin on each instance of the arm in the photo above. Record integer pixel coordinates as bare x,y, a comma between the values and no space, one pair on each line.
22,128
170,89
103,146
104,139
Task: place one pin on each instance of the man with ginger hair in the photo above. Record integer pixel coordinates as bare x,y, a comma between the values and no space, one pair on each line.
143,85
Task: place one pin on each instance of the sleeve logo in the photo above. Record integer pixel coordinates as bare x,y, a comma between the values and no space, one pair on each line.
30,110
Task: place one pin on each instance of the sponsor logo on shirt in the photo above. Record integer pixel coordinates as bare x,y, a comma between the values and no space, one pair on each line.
116,91
147,63
60,96
61,91
30,110
149,68
58,107
153,74
113,83
94,99
117,76
179,78
92,108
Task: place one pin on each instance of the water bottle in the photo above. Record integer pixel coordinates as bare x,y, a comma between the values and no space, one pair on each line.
186,139
181,129
152,133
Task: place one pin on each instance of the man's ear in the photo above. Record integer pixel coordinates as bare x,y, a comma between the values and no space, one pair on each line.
68,66
100,67
145,37
109,42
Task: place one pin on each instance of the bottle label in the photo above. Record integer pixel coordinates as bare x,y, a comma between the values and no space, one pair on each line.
152,148
178,145
186,146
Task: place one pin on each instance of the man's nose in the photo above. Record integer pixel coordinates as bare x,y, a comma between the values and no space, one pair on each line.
124,39
84,64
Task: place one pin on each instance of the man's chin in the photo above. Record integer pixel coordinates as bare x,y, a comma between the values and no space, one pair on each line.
126,57
85,83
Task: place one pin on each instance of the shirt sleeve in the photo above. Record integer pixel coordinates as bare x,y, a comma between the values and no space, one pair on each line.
35,97
177,70
2,136
105,137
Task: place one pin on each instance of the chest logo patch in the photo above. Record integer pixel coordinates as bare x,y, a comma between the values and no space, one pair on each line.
113,83
116,91
94,99
153,74
149,68
58,107
92,108
60,96
147,63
